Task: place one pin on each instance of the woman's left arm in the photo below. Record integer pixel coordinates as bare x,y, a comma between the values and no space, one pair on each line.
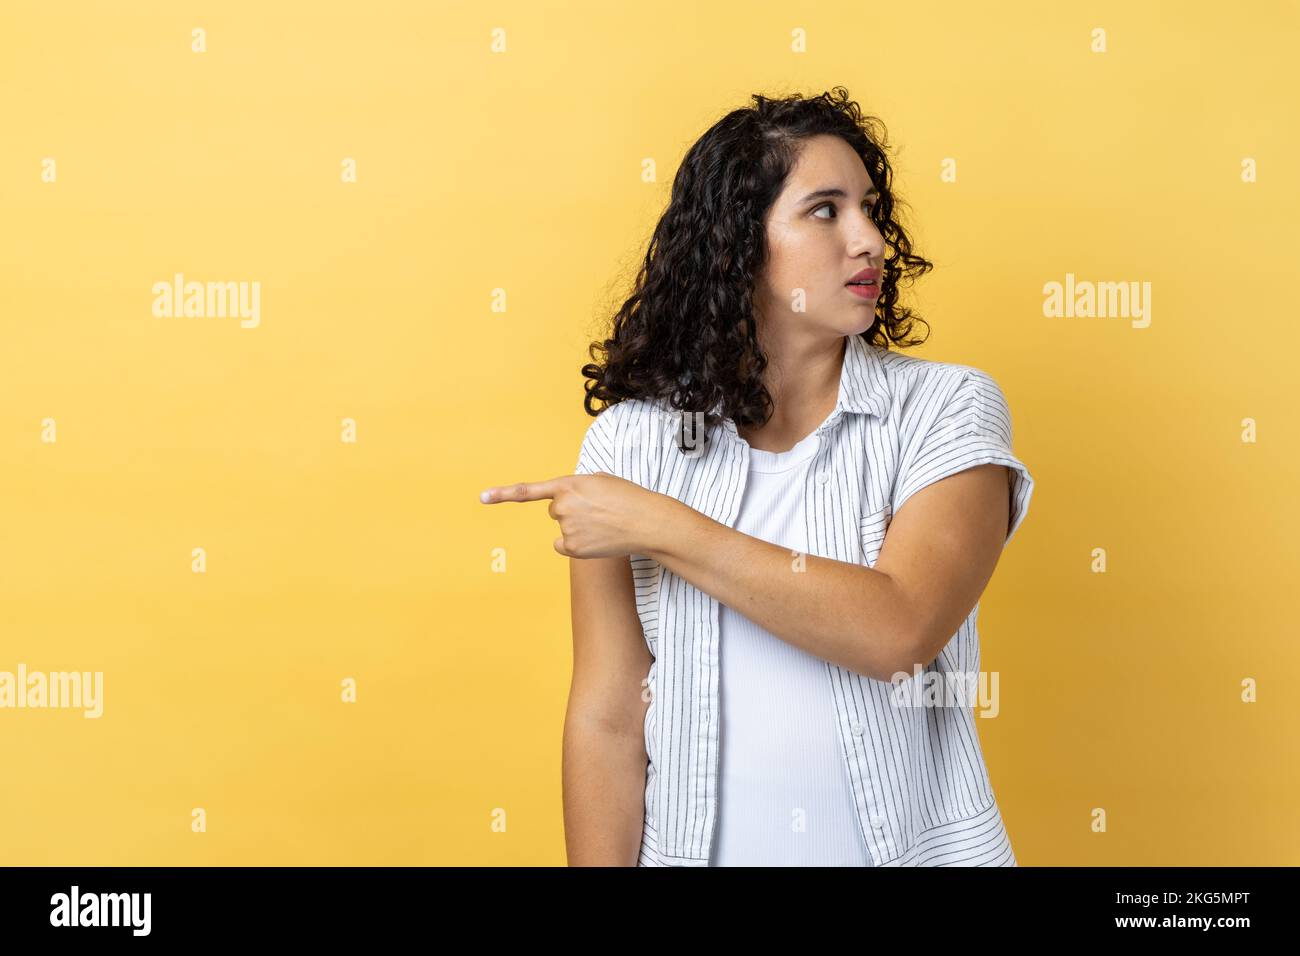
937,557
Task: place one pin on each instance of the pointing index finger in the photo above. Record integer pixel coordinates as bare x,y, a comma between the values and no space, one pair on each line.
521,491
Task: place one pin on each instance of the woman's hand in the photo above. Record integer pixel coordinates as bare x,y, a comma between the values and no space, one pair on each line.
600,515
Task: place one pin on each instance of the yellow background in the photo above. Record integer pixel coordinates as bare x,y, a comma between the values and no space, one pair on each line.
521,171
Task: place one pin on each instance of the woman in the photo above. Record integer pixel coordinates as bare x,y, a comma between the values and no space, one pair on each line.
747,636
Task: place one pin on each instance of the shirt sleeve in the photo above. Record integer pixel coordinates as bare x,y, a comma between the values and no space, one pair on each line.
597,452
970,427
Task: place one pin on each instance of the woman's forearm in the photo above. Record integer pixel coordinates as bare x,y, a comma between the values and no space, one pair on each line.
604,782
848,614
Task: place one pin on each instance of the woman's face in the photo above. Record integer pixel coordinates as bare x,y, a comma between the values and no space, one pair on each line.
819,236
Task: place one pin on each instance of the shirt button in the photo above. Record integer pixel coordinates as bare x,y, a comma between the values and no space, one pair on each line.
857,729
823,477
877,822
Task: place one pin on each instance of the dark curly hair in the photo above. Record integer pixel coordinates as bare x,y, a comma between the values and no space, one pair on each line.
686,336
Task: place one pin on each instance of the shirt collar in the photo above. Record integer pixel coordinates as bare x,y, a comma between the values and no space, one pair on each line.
864,387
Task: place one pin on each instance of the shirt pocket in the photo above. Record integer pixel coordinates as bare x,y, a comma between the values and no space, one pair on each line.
872,528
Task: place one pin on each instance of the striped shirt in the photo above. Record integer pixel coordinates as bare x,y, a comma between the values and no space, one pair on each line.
921,790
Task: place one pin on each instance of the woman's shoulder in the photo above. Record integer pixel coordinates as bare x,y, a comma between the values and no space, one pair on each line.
917,383
625,439
632,418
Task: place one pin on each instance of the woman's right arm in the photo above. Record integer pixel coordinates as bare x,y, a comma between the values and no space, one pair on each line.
604,763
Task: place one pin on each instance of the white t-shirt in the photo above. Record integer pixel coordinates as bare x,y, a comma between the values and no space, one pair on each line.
784,797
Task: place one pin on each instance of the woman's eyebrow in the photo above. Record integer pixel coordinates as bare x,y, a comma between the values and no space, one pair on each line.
835,193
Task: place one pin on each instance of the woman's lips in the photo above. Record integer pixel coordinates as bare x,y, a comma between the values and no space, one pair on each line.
865,291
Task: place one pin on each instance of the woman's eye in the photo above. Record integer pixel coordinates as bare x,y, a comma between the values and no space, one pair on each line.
831,206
